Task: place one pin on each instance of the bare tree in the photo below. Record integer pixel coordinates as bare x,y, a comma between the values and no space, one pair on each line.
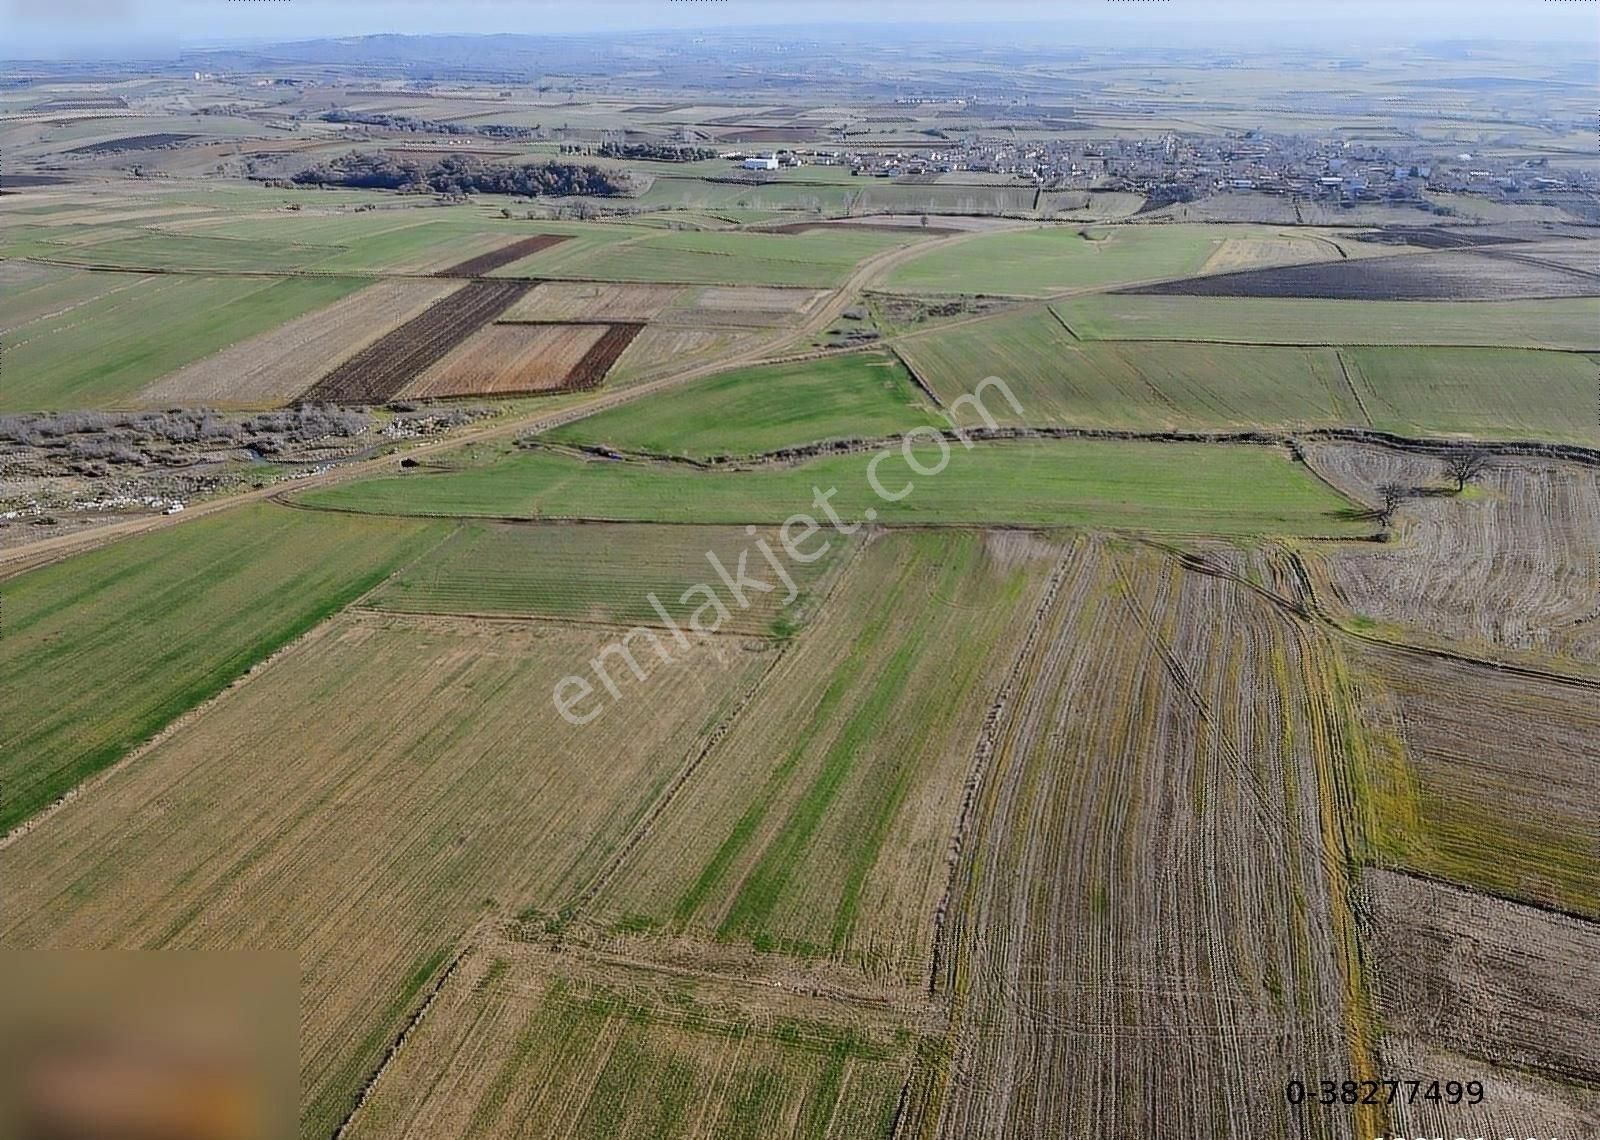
1392,494
1465,465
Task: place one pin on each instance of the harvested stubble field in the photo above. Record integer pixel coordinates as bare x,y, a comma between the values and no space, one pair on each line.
384,368
818,826
507,359
1440,276
1567,323
365,800
503,255
574,572
1150,908
105,351
1459,971
520,1038
102,651
1059,379
1508,569
659,348
746,306
753,410
1486,778
581,301
1176,488
272,367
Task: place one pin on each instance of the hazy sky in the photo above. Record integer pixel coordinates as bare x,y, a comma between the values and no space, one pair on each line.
144,27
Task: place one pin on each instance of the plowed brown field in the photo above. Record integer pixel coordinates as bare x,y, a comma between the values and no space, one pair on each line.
383,369
504,255
272,368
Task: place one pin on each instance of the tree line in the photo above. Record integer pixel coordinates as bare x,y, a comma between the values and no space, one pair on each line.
462,174
431,126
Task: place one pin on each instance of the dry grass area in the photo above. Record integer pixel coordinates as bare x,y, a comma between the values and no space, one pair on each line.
526,1041
818,827
1512,568
1263,252
584,301
1464,972
278,365
502,359
659,349
743,306
1486,778
364,800
1148,916
1515,1104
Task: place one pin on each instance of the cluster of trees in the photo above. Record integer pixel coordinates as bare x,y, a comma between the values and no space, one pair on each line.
656,151
431,126
461,174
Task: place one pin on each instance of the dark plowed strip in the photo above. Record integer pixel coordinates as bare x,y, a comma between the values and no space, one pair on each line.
379,371
592,369
505,255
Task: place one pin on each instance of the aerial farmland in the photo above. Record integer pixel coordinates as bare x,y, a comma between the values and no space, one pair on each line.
862,582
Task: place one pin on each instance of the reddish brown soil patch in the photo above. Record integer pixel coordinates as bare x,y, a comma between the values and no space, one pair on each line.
505,255
379,371
601,356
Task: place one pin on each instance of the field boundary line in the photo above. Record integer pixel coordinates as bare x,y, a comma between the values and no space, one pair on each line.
1344,370
1417,649
680,780
400,1038
994,720
1588,921
162,735
916,377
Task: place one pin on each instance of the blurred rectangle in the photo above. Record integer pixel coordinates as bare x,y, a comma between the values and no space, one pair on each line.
147,1045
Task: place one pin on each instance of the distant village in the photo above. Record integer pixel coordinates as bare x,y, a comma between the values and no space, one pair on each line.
1175,169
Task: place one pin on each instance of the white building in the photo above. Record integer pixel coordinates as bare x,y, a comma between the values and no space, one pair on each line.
761,162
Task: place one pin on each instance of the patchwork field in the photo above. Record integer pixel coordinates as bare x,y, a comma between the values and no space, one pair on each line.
581,301
1568,323
102,651
659,349
753,410
104,352
1188,489
817,827
385,367
431,785
502,359
755,306
1059,379
572,572
275,366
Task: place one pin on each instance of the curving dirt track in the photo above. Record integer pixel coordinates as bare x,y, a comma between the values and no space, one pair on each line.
25,557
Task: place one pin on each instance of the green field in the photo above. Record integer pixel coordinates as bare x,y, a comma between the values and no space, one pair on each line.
1567,323
1183,488
752,410
601,573
103,352
1060,380
815,259
105,649
171,250
801,832
1486,392
1037,262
